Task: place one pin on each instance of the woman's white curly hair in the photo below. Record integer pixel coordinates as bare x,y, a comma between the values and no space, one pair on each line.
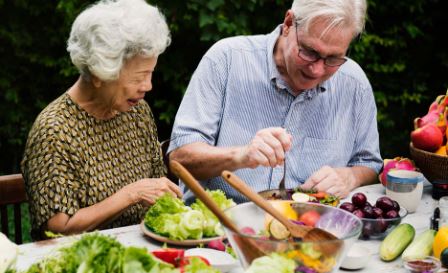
110,32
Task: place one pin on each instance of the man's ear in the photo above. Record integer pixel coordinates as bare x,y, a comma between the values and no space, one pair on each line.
96,82
288,22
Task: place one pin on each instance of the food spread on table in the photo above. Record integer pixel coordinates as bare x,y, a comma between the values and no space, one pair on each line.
98,253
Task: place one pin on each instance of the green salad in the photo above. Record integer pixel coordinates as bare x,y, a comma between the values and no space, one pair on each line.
170,217
96,253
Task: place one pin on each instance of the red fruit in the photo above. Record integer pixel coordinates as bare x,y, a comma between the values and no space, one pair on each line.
399,163
169,255
248,231
428,138
359,199
310,218
217,244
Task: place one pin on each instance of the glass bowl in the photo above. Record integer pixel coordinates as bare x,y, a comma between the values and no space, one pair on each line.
314,255
377,229
425,265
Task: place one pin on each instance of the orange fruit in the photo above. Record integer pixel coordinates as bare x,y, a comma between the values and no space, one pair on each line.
284,207
442,150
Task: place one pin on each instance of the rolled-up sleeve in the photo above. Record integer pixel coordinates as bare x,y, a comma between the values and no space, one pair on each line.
199,115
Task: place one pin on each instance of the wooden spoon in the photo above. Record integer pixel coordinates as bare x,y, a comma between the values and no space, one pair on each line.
247,246
306,233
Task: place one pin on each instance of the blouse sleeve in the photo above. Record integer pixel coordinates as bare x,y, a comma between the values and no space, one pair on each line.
49,171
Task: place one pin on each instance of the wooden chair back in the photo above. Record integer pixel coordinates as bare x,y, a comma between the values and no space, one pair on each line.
12,193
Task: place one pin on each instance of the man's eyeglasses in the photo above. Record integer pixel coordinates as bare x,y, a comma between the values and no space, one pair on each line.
312,56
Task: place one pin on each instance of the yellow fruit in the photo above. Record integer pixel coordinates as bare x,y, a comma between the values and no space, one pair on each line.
442,150
284,207
278,231
440,241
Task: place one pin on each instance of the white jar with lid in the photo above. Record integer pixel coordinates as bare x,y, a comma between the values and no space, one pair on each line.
405,187
443,207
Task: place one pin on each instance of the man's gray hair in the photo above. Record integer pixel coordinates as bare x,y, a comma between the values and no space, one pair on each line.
344,14
110,32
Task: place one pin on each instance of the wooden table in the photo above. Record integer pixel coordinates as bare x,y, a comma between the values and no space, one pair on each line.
132,235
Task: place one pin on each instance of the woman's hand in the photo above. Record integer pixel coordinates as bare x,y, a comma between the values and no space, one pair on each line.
147,190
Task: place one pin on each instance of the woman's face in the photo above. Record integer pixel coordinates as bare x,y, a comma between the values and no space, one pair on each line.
302,74
133,83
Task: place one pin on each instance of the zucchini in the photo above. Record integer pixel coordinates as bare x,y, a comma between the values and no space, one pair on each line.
421,246
396,241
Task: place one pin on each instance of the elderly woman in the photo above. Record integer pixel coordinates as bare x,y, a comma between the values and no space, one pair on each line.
92,158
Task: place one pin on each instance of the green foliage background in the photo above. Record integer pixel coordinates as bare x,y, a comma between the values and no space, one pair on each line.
401,51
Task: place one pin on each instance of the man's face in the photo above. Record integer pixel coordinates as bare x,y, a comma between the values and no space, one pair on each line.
310,59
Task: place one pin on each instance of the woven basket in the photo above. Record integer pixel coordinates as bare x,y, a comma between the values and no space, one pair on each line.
433,166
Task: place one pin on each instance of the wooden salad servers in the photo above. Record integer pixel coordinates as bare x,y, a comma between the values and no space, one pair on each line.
306,233
250,249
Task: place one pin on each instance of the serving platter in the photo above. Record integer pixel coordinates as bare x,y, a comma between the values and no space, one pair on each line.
187,242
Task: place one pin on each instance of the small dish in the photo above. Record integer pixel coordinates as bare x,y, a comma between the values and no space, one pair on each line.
163,239
357,257
218,259
427,265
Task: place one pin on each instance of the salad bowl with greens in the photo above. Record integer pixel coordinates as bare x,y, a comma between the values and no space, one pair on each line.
170,220
289,254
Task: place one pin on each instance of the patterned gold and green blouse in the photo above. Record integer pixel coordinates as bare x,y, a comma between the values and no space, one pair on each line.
73,160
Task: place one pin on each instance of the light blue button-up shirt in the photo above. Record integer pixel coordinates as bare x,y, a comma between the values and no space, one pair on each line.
237,90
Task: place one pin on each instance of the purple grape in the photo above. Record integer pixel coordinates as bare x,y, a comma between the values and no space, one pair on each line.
381,225
367,229
377,212
396,206
384,203
347,206
359,199
368,212
391,214
358,213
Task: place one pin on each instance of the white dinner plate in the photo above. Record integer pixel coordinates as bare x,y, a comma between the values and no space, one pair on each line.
218,259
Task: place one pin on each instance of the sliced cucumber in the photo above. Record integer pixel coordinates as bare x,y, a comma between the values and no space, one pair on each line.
193,220
278,231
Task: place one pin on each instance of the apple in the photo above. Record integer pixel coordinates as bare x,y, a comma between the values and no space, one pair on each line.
428,138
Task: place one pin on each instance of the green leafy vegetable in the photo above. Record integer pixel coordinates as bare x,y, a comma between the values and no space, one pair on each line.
170,217
272,263
212,227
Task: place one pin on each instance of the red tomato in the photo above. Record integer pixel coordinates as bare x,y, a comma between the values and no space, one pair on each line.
169,255
319,195
310,218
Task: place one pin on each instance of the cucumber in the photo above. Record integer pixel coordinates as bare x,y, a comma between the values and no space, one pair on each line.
421,246
396,241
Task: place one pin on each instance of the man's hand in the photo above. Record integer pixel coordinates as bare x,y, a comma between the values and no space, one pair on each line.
267,148
340,181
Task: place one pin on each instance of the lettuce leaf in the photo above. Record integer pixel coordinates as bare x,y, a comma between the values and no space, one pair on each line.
212,226
272,263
